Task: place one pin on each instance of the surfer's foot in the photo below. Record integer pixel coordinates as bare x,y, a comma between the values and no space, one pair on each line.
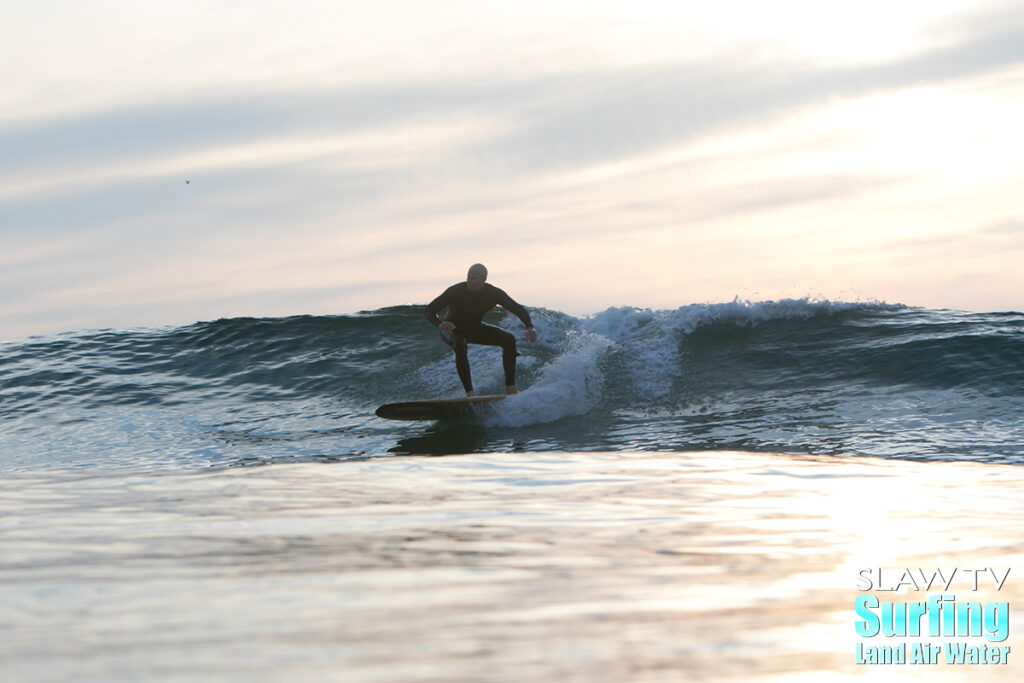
511,389
470,393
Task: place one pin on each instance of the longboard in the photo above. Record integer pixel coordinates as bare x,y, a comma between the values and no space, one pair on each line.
435,409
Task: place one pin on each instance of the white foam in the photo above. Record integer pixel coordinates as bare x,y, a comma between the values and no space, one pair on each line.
624,322
644,344
569,385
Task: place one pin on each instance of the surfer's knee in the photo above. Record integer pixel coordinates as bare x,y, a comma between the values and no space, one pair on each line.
455,340
449,336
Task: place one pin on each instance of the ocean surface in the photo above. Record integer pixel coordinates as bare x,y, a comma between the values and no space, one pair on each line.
682,494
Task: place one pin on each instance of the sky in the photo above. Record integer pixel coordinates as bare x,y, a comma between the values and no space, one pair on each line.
163,162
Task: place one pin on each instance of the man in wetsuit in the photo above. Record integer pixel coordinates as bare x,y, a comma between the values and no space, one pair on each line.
467,302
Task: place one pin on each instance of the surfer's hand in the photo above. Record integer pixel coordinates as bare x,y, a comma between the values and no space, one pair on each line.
531,334
446,326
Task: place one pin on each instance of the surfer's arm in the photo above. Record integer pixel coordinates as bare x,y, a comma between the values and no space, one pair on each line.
435,306
449,298
515,308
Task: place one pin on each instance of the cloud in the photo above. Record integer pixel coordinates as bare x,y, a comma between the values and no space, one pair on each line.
1014,227
998,238
574,118
593,118
194,124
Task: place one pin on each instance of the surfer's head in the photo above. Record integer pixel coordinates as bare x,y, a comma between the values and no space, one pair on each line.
476,277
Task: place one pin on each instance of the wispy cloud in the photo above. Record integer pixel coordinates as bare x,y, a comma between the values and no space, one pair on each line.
573,118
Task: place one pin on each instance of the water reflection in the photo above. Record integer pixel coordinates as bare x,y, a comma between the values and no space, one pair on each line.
443,438
501,566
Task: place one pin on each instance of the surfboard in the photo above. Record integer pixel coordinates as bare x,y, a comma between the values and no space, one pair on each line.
435,409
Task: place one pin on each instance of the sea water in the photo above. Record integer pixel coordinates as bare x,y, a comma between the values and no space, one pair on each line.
688,494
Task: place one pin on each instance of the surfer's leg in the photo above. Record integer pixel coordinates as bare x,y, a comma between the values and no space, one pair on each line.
488,335
458,344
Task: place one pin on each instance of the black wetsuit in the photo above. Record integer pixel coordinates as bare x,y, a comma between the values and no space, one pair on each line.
466,310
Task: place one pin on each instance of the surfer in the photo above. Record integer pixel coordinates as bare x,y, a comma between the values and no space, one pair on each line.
467,302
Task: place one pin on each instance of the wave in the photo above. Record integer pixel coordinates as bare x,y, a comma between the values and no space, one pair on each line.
707,375
620,356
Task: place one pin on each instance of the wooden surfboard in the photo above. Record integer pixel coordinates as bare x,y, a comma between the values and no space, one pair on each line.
435,409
